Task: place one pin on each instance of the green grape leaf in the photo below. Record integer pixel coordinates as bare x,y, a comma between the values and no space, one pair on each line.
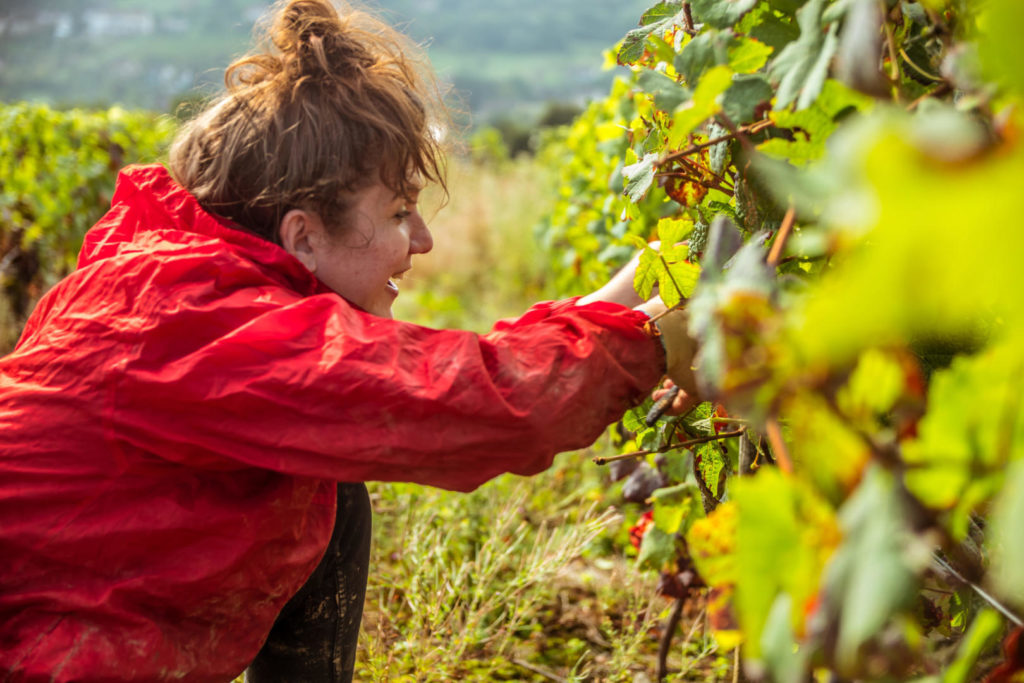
721,13
633,420
673,230
705,51
801,67
639,176
747,92
710,466
656,19
812,125
648,272
657,549
678,281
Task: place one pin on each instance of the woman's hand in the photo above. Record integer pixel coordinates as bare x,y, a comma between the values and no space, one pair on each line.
680,350
681,404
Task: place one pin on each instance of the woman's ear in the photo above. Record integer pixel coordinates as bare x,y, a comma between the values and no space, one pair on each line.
301,232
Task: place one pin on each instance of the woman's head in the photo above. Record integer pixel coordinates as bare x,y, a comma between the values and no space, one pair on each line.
332,104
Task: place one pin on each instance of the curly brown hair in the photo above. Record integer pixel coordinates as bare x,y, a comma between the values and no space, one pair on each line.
330,102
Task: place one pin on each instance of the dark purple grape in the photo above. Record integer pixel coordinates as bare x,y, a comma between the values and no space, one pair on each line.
620,469
644,481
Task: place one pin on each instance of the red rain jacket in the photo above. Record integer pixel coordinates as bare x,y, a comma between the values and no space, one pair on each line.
178,410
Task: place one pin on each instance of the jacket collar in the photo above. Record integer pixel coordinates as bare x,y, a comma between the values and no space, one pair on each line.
147,200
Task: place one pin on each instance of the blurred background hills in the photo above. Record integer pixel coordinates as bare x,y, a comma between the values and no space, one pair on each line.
505,58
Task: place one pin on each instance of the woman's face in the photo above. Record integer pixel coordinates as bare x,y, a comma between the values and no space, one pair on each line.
373,249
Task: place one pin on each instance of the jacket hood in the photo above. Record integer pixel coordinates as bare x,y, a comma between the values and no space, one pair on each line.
150,211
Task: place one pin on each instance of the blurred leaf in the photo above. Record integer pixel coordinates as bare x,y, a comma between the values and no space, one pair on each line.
705,51
1008,539
724,240
657,549
984,631
712,544
786,661
668,94
927,268
801,67
869,578
763,24
675,507
703,106
973,427
720,13
817,430
676,466
999,42
784,537
858,59
747,55
873,388
747,92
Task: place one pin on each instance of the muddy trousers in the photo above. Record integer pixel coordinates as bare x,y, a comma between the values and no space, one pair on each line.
314,637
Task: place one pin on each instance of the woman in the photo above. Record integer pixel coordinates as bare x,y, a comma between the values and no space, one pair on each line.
187,420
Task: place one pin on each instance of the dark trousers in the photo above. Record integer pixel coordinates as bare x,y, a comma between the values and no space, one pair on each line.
314,637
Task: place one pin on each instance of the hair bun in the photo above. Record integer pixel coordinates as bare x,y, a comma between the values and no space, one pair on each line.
314,41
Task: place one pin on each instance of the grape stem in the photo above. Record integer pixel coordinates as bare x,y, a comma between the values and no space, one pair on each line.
605,459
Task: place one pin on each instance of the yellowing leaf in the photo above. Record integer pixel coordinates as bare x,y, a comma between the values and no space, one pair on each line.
747,55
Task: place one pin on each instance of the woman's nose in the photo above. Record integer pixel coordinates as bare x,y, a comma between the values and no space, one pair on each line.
420,239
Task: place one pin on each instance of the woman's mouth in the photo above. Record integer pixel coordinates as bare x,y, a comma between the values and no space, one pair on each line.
393,281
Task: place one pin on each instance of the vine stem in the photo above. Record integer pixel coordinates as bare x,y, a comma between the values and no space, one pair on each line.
693,149
779,450
780,239
605,459
666,637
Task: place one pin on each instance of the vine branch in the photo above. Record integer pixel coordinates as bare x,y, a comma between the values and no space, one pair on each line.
605,459
734,134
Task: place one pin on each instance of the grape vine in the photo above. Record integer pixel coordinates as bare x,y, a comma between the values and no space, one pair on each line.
57,172
842,173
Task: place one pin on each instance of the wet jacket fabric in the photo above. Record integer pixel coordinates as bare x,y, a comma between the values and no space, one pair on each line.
178,411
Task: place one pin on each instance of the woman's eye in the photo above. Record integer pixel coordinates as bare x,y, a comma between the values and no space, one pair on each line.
403,214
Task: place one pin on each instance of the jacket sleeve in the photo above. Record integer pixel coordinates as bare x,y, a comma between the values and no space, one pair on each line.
318,388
